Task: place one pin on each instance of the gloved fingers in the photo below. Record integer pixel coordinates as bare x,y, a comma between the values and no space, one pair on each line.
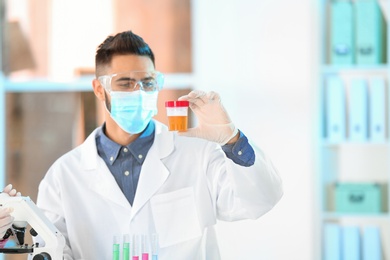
195,97
191,132
10,191
7,188
218,133
4,212
198,98
6,220
192,95
213,96
209,98
5,224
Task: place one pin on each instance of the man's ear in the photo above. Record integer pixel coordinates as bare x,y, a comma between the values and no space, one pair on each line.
98,89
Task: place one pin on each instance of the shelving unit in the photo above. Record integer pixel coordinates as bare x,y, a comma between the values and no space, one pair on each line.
346,160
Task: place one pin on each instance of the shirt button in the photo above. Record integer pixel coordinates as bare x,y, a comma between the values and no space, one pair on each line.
239,153
140,156
111,158
127,173
125,150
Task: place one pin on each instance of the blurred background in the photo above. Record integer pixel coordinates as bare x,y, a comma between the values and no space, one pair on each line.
271,62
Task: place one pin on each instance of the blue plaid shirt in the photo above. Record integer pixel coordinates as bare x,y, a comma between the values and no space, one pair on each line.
125,162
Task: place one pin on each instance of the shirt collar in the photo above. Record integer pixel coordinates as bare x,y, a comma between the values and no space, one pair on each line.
138,148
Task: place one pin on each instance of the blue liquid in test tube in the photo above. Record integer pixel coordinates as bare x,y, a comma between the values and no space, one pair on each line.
154,246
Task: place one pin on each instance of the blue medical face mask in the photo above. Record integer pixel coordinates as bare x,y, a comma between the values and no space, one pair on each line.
132,111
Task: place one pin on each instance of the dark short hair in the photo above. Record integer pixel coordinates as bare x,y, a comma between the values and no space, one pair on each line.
121,44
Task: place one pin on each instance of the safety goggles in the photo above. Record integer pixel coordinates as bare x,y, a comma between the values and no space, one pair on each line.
148,81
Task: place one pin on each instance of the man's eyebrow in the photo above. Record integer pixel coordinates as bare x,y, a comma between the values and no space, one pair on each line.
128,78
125,78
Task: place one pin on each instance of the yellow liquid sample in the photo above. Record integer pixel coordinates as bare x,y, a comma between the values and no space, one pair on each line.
177,123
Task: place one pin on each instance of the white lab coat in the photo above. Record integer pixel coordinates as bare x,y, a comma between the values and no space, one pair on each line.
185,185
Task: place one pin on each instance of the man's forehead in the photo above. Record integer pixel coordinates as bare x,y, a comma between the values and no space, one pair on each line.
133,75
122,63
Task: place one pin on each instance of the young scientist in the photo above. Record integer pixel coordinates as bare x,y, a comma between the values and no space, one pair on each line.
133,176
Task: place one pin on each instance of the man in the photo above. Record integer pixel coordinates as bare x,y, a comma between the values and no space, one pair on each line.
133,176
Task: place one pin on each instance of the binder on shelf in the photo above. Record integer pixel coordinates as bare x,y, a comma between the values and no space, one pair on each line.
369,32
351,243
371,243
358,110
377,114
332,241
341,33
363,197
335,110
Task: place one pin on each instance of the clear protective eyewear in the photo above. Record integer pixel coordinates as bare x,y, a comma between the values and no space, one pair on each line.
148,81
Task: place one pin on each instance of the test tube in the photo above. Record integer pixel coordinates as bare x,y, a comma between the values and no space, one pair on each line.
145,247
116,248
126,247
136,244
154,246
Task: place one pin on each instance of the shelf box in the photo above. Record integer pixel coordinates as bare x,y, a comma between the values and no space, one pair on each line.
358,198
342,49
369,32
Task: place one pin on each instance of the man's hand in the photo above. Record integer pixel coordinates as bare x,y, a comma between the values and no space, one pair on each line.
6,219
214,122
11,192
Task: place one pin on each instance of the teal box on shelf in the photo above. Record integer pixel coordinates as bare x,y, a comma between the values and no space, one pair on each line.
342,45
369,32
358,198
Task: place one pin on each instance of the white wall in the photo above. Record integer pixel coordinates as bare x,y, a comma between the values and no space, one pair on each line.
77,28
258,55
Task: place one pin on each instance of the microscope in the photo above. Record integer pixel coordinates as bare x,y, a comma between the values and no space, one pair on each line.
25,212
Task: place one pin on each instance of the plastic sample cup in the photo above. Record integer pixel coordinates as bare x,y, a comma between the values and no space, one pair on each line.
177,112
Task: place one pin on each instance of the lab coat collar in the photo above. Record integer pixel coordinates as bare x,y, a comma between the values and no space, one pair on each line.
153,172
163,139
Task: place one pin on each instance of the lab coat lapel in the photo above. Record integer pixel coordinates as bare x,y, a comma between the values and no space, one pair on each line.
153,173
103,182
106,186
